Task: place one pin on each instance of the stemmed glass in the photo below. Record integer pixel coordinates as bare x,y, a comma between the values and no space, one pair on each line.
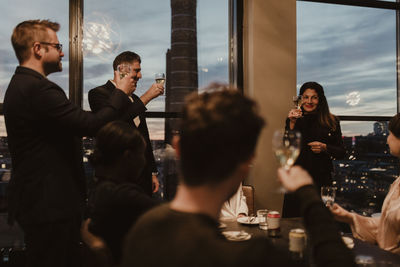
160,78
124,69
328,194
297,101
286,145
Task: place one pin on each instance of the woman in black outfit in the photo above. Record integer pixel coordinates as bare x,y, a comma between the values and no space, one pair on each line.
321,139
117,201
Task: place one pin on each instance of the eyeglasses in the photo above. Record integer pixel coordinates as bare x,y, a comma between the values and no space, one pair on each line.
56,46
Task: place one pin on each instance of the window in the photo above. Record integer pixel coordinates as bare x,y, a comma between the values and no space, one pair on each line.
144,27
356,63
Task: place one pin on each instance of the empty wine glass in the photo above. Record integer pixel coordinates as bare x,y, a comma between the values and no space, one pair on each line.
124,69
286,145
328,194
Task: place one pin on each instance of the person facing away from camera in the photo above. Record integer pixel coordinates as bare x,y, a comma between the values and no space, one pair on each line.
218,136
117,201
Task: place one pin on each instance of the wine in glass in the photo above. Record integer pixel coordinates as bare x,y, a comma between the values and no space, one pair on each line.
297,101
124,69
286,145
328,194
160,78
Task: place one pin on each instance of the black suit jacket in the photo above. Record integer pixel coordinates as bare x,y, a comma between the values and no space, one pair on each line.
100,97
44,129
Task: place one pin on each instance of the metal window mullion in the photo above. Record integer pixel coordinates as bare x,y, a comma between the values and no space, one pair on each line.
397,56
76,52
360,3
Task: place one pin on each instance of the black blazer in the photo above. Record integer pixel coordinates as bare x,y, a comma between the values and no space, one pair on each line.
44,129
99,97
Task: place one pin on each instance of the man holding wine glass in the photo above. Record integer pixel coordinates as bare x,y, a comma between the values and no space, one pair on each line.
99,97
321,139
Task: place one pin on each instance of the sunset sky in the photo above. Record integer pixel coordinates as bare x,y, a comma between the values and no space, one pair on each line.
351,51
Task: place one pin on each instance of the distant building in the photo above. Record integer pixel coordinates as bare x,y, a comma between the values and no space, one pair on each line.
182,73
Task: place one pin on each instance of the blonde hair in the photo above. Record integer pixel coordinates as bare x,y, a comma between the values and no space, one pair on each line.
28,32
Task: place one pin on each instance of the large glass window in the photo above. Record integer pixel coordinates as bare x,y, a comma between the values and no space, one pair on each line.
356,63
144,27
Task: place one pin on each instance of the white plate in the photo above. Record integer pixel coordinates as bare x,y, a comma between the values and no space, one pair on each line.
247,220
236,235
348,241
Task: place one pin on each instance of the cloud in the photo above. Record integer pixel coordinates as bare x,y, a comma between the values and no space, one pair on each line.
359,55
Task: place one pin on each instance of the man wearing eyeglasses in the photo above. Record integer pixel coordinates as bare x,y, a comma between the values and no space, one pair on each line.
47,187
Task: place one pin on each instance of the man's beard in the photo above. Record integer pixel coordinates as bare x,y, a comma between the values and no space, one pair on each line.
50,67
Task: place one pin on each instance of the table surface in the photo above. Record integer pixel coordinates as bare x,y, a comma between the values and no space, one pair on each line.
361,248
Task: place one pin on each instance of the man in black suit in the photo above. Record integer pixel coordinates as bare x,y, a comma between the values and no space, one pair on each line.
47,187
100,97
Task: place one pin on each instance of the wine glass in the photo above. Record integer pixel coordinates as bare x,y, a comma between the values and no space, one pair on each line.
286,145
160,78
124,69
328,194
297,100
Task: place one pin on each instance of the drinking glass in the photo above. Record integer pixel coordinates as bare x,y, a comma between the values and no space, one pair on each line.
286,145
262,219
160,78
328,194
297,100
124,69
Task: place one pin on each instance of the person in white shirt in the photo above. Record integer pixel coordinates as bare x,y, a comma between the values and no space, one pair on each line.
236,206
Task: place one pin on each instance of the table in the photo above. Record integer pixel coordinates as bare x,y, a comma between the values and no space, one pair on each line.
361,248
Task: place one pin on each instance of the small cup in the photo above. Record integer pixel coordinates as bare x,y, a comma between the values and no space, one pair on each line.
262,219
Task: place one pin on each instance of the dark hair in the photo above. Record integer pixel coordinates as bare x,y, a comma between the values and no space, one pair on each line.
113,140
27,32
394,125
325,117
219,130
126,57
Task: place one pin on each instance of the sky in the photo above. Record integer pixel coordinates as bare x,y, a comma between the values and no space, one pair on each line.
140,26
354,61
351,52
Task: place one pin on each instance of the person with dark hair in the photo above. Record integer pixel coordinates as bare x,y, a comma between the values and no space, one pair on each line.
321,140
100,97
218,136
117,202
47,190
383,230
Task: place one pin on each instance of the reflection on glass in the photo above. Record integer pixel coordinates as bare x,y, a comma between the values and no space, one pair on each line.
101,36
